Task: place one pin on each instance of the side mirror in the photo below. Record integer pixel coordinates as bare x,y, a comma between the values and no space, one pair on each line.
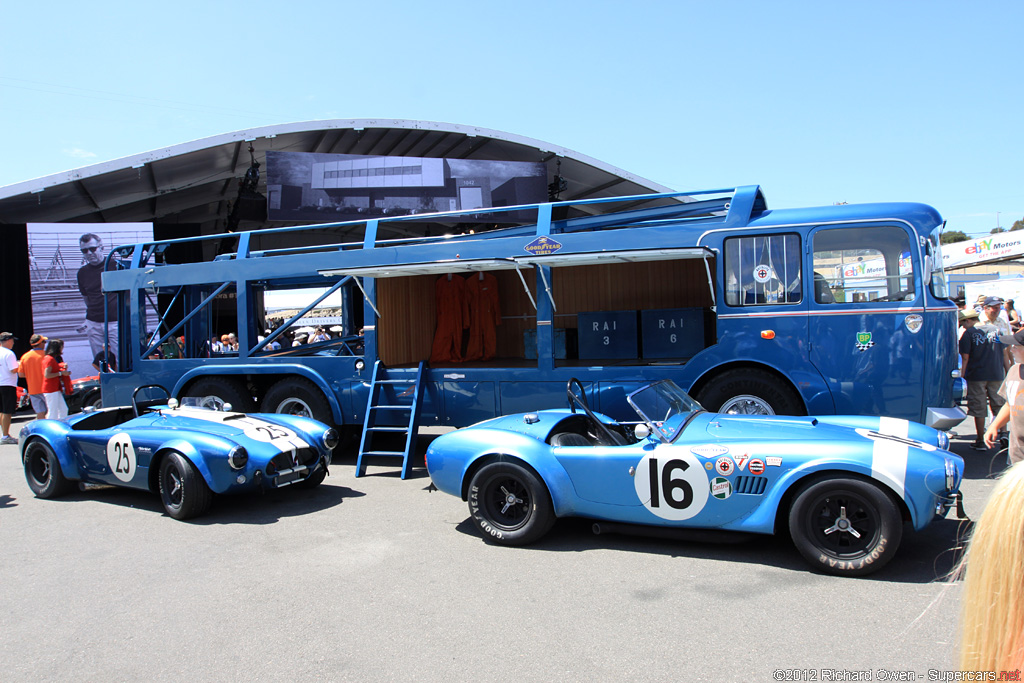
172,403
641,431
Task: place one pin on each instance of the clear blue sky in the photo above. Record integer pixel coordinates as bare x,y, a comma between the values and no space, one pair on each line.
819,102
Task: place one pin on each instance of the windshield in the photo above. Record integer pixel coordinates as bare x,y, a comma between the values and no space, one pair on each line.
664,407
940,290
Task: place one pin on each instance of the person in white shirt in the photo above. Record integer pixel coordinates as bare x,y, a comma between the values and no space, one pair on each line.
8,386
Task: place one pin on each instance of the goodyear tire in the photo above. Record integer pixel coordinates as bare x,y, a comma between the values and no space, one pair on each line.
846,527
298,396
749,392
216,391
182,489
510,504
42,471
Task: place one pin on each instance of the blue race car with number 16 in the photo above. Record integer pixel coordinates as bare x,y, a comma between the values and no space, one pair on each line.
842,485
184,453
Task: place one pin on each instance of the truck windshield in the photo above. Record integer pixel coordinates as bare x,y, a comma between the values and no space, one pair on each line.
665,408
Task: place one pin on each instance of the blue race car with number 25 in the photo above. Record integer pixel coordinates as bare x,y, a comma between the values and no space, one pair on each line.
842,485
184,453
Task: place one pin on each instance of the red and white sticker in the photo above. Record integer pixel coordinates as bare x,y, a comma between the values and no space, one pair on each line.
741,461
774,461
756,466
724,466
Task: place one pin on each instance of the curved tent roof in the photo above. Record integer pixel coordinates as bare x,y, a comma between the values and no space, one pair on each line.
194,182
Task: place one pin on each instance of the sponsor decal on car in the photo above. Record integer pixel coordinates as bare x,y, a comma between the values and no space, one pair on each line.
756,466
725,465
710,450
741,461
773,461
721,488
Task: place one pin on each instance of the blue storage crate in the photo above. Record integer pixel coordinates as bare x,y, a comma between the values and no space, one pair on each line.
672,332
607,335
530,344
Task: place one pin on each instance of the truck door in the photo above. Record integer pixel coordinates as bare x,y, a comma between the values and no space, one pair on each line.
866,319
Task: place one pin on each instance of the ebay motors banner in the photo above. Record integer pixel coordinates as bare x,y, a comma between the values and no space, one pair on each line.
1000,247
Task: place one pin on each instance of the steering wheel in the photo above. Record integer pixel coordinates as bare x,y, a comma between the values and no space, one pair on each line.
580,400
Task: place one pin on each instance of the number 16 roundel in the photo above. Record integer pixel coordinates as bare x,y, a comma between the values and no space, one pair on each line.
672,484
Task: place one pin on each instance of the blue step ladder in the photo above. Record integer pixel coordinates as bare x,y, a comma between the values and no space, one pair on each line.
392,409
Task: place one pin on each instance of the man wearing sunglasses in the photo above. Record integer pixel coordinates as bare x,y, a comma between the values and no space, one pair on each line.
90,286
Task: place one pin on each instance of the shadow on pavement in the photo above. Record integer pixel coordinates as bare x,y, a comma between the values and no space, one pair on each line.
922,557
246,508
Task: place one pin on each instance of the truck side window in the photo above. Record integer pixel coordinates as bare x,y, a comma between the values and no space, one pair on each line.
763,270
862,265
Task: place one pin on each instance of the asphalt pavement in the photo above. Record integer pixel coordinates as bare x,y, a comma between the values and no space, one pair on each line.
379,579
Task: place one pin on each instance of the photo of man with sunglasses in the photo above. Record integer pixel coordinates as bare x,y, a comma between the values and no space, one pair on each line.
90,287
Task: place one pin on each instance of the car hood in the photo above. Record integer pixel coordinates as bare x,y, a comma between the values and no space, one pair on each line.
778,427
234,426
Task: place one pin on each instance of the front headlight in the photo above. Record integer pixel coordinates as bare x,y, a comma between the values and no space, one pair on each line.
238,458
944,441
331,439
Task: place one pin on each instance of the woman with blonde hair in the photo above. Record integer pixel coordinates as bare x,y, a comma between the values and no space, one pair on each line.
992,618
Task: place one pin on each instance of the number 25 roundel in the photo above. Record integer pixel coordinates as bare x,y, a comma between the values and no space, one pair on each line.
672,484
121,456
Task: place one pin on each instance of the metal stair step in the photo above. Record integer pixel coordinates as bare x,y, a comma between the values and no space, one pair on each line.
390,454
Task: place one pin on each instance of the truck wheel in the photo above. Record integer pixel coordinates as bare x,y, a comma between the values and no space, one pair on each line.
214,392
749,392
845,526
297,396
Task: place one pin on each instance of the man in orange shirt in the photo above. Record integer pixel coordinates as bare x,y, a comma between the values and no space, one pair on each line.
31,368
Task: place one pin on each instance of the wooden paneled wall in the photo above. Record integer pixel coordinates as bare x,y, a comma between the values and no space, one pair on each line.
409,317
629,286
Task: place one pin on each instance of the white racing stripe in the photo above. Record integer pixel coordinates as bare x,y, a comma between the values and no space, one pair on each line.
889,458
280,437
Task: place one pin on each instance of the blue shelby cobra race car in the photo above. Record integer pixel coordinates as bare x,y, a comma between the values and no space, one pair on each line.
843,485
184,453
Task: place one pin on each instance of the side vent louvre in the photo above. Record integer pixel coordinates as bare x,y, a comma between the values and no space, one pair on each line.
753,486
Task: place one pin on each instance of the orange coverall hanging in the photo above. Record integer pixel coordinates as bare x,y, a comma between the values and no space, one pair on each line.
484,316
452,318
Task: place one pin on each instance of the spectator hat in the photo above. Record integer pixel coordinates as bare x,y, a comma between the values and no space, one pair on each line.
1015,339
4,336
993,301
964,315
36,339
